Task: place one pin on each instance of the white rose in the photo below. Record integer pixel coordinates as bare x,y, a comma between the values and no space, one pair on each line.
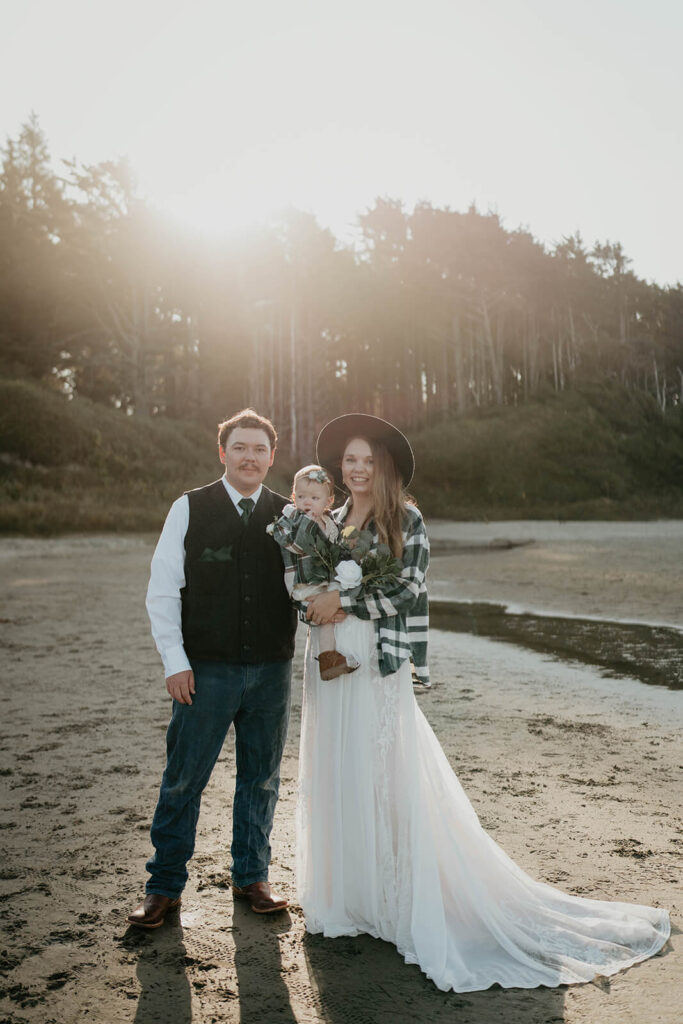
349,574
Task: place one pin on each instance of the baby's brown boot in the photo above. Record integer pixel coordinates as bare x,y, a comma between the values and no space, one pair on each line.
333,664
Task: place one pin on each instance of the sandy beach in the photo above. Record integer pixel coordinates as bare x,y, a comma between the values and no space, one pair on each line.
576,775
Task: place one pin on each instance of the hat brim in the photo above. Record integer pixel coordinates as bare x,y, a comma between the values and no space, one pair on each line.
335,435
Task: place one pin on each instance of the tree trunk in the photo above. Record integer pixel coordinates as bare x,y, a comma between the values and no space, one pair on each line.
443,384
574,346
460,377
293,435
661,392
486,340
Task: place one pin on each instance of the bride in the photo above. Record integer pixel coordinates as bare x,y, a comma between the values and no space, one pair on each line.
388,843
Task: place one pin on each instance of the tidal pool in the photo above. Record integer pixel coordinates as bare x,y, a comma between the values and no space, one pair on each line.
653,654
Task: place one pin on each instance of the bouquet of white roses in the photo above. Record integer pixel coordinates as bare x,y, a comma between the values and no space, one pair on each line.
349,561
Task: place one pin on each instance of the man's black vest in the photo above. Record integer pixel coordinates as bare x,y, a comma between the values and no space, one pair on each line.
235,606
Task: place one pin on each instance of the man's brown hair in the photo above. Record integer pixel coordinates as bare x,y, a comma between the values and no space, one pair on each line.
247,418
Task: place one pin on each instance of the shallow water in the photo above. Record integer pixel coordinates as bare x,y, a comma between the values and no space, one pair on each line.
652,654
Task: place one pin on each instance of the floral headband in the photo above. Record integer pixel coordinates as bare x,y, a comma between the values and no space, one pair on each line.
317,475
320,476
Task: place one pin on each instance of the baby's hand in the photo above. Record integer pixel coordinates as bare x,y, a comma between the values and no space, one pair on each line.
311,515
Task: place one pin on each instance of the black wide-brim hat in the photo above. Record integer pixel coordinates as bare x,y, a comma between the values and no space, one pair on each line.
335,435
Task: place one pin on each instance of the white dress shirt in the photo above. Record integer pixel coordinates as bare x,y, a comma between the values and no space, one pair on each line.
167,577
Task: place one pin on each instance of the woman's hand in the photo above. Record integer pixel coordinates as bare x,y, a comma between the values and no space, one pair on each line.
323,607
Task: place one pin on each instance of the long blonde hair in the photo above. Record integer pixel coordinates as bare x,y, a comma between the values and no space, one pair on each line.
389,497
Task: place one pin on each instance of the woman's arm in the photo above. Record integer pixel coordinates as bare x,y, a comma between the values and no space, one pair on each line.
401,595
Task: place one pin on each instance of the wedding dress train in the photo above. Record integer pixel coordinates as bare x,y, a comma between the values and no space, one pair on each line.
389,845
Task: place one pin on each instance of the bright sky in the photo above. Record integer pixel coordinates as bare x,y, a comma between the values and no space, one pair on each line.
559,115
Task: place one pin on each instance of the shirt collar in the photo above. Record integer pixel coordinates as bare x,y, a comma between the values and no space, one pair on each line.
235,495
341,513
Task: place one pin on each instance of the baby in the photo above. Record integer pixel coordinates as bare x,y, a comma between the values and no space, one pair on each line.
313,496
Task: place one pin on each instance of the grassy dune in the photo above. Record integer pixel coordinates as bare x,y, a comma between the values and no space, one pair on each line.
599,453
608,453
77,466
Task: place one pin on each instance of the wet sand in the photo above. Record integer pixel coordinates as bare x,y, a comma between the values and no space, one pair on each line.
577,776
628,571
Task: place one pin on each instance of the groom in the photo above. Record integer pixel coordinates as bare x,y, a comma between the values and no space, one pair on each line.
224,627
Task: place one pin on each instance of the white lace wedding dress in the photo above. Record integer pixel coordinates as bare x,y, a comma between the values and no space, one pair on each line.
388,844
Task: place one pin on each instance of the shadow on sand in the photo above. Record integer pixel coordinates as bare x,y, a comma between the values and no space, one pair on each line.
263,992
365,981
165,996
162,962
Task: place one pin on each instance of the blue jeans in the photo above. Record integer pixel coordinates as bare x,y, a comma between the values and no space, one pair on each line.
256,699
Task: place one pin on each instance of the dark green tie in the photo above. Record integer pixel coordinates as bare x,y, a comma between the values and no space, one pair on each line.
247,506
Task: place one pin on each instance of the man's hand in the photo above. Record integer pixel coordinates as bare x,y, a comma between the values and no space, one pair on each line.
180,686
323,607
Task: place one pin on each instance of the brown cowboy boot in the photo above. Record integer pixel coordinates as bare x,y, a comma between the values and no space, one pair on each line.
260,898
153,910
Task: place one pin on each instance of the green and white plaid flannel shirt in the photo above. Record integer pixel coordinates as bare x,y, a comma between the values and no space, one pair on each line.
400,611
288,531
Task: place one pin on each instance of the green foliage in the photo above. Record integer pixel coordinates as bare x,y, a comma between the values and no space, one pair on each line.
601,452
434,310
380,568
436,314
357,542
605,452
43,427
75,465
